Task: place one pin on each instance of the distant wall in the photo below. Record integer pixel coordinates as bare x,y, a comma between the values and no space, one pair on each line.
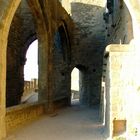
89,44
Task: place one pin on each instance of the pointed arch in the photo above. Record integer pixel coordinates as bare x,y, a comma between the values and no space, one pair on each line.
134,8
8,9
62,41
7,12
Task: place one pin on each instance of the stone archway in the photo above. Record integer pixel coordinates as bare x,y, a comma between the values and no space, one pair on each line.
7,12
45,20
8,9
83,83
22,32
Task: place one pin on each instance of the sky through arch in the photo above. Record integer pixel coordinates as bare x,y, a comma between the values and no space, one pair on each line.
31,65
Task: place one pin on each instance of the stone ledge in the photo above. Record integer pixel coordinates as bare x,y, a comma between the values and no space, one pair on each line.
23,106
119,48
17,116
60,98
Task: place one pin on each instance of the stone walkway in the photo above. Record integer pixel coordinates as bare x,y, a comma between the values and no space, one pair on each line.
72,123
32,97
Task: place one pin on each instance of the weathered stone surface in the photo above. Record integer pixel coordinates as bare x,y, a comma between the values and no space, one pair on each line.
88,45
119,29
22,114
7,14
82,45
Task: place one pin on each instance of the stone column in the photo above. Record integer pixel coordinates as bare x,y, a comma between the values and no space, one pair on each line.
119,85
7,10
2,88
43,63
41,12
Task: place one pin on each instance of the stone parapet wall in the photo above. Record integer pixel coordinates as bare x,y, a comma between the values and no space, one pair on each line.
18,115
30,86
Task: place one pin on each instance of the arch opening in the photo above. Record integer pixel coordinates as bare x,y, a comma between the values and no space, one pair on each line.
18,42
12,54
31,65
79,95
8,10
75,95
30,93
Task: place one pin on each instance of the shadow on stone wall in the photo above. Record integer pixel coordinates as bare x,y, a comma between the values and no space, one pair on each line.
89,18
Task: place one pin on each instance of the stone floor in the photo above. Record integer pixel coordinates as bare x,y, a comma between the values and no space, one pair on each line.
72,123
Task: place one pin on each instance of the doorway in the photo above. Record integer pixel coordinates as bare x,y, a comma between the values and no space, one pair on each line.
75,95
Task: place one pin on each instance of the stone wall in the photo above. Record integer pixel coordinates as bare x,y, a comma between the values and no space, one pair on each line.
56,87
119,29
88,46
122,115
83,41
118,70
22,114
119,86
61,61
121,77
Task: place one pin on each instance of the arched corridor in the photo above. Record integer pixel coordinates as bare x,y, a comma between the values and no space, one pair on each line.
100,39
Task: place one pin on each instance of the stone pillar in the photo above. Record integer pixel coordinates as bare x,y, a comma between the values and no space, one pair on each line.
89,87
36,84
7,10
2,89
41,11
119,85
42,81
